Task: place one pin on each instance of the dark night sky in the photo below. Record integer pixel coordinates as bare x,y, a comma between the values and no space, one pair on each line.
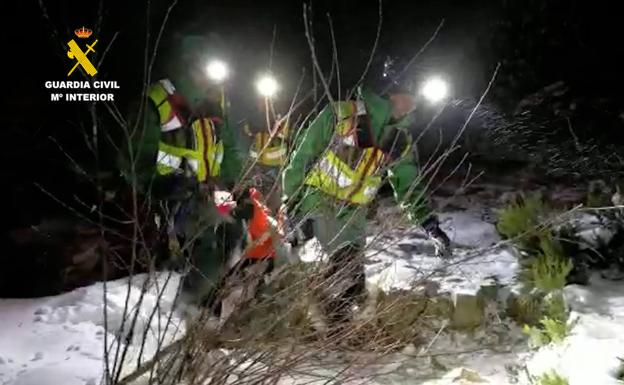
577,41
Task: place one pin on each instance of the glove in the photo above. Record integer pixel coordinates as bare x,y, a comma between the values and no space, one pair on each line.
224,201
441,241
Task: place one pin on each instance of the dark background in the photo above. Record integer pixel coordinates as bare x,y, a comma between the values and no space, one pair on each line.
536,42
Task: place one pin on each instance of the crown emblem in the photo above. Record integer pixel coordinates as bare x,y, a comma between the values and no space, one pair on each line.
83,32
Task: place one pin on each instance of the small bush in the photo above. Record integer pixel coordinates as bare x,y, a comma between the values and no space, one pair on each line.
620,373
555,307
554,329
547,266
549,269
526,309
537,338
553,325
520,220
550,330
551,378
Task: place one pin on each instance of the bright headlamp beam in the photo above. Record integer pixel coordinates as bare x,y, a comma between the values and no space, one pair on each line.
217,70
435,90
267,86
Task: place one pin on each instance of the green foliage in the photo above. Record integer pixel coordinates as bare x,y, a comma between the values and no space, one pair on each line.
551,378
553,325
550,330
555,307
555,330
526,309
549,269
520,220
542,309
537,338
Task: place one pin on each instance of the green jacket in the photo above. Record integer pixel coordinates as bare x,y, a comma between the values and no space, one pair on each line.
403,174
146,140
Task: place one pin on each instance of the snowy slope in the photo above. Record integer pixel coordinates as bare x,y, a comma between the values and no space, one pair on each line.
60,340
590,354
403,261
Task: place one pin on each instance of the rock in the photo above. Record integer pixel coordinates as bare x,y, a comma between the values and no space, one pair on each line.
467,311
489,293
465,376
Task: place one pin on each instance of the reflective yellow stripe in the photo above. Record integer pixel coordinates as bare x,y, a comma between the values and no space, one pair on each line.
199,154
172,124
205,160
370,162
209,148
334,177
158,93
167,86
169,160
270,156
345,117
276,152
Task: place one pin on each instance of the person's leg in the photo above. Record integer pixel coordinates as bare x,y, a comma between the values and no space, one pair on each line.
440,240
267,267
208,272
274,190
228,236
342,236
420,212
346,278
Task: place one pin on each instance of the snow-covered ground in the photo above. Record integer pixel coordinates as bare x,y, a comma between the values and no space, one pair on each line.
401,263
403,259
59,340
589,355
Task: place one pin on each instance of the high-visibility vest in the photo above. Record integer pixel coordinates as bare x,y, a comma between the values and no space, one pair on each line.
332,175
173,110
357,185
204,155
268,152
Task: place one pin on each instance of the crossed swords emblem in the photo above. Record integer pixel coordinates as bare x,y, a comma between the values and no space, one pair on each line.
81,57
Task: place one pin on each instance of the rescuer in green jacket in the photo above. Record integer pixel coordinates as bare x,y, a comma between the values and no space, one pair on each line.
334,172
197,161
267,156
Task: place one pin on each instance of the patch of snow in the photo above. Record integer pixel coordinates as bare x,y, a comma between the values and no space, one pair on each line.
467,228
60,339
311,251
409,260
412,263
592,230
589,355
404,259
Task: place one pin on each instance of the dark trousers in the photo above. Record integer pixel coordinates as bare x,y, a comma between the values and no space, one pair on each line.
237,273
344,285
208,262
